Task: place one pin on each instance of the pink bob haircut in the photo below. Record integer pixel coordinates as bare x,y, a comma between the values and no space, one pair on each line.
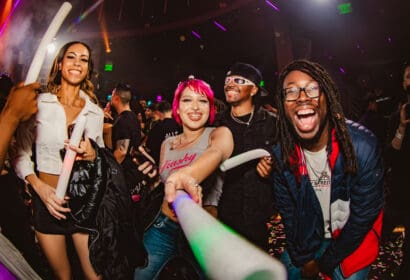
198,86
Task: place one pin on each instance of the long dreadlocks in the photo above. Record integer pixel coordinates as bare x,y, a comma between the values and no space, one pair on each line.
335,113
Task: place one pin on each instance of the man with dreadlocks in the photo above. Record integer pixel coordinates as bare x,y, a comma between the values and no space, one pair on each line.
328,179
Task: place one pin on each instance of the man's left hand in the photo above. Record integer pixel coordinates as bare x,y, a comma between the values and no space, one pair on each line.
264,167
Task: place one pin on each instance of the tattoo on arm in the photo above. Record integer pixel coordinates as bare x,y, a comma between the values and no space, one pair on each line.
122,145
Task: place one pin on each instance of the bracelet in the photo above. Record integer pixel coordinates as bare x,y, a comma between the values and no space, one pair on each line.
398,135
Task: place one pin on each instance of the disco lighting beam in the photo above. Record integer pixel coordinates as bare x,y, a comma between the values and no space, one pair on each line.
220,26
196,34
84,15
104,32
6,11
8,17
273,6
105,35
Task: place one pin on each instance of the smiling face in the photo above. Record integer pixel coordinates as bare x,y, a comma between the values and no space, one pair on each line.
308,116
238,93
74,66
193,109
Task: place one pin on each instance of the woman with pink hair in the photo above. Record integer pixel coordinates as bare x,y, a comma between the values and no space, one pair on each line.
193,108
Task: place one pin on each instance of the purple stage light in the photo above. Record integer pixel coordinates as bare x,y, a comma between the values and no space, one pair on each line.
196,34
273,6
342,70
220,26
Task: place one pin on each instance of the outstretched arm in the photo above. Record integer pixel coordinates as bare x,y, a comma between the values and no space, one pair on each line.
20,106
219,149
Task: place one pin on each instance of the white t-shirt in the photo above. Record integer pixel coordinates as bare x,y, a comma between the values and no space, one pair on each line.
318,168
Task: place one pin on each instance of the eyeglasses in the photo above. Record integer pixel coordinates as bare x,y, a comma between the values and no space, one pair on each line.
312,90
238,80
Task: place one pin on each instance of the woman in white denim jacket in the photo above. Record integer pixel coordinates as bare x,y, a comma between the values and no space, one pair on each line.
71,95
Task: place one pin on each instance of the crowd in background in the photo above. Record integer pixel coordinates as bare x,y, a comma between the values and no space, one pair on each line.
140,139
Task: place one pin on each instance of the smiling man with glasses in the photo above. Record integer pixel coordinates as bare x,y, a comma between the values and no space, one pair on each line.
312,90
247,203
328,179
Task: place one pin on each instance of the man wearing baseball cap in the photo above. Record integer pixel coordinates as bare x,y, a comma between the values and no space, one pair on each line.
246,203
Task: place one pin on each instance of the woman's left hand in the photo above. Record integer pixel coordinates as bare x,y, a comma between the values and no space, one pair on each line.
85,150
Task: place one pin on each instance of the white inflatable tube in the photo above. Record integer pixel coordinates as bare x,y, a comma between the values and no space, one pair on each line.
51,32
14,261
221,252
242,158
70,156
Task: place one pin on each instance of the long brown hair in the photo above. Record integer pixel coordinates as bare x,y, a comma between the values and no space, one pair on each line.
54,78
335,113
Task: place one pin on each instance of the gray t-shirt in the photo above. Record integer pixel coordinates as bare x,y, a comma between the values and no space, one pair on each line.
174,159
320,176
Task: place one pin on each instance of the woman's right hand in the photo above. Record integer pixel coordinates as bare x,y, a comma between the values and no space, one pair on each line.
48,196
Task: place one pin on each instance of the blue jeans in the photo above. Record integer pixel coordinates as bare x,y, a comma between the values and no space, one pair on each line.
164,240
295,273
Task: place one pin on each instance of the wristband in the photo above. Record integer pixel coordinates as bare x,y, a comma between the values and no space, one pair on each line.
398,135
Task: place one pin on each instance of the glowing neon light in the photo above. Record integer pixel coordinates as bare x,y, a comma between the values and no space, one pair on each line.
196,34
220,26
273,6
231,257
345,8
3,28
85,14
108,67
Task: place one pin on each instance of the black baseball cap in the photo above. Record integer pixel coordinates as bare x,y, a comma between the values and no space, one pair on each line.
249,72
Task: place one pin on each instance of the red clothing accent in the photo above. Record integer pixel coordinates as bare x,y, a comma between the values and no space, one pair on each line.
368,250
366,253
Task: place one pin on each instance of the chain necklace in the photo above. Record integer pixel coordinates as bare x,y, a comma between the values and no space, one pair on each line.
178,144
320,175
241,121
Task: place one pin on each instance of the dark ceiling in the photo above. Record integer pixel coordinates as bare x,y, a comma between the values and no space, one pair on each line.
153,46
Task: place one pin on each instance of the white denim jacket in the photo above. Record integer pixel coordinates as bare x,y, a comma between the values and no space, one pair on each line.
49,133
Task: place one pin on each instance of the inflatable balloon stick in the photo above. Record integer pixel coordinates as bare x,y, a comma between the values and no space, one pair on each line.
70,156
221,252
51,32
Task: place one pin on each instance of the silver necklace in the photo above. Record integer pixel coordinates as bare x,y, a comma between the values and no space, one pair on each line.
179,144
241,121
320,175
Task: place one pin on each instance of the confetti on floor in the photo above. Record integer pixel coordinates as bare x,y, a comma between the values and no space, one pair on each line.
385,267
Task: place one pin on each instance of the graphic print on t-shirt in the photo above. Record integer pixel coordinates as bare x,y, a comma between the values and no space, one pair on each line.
171,165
